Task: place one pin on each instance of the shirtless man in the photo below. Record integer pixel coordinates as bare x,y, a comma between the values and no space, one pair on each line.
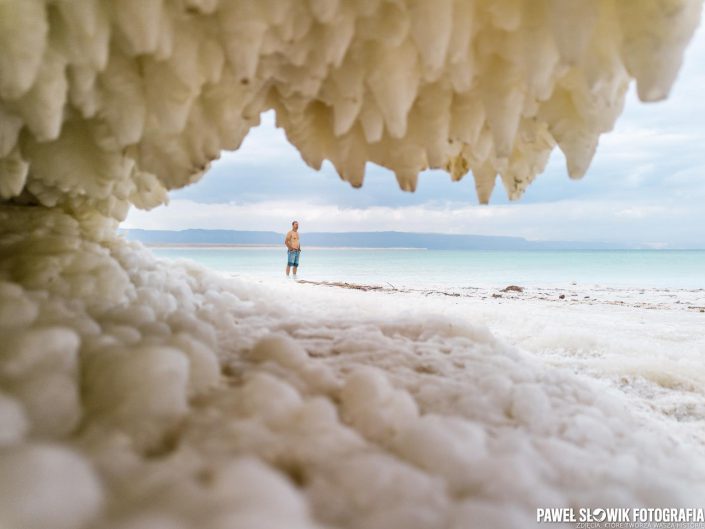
294,248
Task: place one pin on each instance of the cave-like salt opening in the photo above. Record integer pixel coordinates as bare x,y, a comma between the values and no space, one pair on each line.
137,394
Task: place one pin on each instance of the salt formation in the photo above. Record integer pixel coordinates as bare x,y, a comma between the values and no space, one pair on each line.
167,396
105,104
134,394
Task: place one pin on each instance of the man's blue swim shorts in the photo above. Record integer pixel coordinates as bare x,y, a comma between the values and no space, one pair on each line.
293,257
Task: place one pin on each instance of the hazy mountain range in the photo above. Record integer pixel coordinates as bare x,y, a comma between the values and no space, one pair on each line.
377,239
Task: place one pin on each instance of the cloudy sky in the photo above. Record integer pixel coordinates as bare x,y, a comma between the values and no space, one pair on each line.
646,186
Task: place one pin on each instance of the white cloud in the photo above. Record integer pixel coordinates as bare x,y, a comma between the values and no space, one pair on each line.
630,142
564,220
263,145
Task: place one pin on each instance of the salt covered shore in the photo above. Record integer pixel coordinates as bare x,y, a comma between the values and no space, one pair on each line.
646,343
169,396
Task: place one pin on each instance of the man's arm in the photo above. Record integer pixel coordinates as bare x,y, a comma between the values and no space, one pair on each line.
287,241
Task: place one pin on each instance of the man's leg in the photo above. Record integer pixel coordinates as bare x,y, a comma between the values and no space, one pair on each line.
295,271
287,270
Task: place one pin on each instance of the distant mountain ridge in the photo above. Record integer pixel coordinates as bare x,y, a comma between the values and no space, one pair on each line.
374,239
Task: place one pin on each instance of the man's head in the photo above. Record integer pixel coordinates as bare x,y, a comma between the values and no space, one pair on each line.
295,225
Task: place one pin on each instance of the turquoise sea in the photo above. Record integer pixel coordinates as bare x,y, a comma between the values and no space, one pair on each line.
458,269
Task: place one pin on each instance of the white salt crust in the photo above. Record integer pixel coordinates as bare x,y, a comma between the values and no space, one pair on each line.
170,397
109,103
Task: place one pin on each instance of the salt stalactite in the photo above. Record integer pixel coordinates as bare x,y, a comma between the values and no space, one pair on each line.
134,394
160,87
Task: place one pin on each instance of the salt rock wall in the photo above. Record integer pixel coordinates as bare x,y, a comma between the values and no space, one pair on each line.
109,103
139,394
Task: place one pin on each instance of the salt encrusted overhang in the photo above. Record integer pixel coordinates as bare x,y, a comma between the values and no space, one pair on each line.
109,103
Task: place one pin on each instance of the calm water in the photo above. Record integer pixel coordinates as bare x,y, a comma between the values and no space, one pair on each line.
426,268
